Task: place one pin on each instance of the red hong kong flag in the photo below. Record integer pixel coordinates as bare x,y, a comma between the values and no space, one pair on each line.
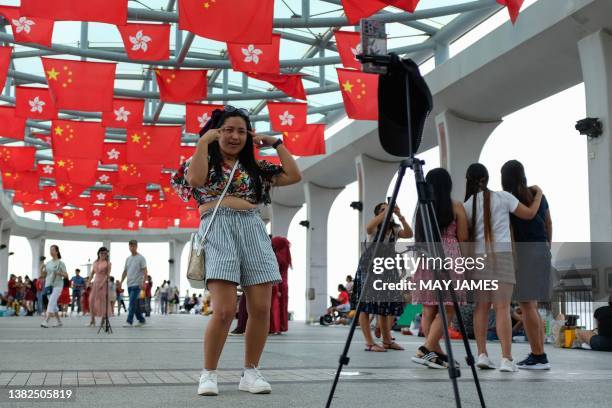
148,42
102,11
125,113
81,171
291,84
360,93
77,140
249,57
349,46
80,85
10,125
154,145
131,174
307,142
45,170
114,153
28,29
287,116
179,86
97,196
34,103
107,177
250,20
196,116
185,153
514,7
5,60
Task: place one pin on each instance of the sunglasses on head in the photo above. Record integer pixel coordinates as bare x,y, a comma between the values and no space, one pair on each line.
242,111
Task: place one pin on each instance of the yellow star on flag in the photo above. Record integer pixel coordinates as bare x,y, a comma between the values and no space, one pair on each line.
61,163
62,188
124,168
59,130
135,138
347,86
52,74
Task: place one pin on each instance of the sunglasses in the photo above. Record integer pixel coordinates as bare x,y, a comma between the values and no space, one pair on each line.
242,111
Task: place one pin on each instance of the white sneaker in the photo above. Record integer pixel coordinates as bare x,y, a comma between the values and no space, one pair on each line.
507,366
58,324
208,383
254,382
44,324
139,324
484,362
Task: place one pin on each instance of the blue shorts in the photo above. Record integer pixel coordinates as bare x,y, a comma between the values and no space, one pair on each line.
238,249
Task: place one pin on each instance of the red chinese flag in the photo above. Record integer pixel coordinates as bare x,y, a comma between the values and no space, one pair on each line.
132,174
250,20
148,42
154,145
126,113
67,191
157,222
307,142
80,85
189,219
114,153
74,218
124,209
349,46
287,116
34,103
164,209
24,181
11,126
107,177
102,11
359,93
514,8
197,114
274,159
291,84
180,86
13,158
249,57
77,140
185,153
76,171
5,61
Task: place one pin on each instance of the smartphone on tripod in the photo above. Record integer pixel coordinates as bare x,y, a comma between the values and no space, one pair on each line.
373,43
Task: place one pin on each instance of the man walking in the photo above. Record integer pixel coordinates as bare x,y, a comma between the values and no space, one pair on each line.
136,272
78,285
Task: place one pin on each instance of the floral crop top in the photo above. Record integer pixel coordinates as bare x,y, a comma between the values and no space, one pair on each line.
242,185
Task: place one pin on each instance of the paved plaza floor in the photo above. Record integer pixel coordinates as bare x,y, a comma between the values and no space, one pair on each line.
158,366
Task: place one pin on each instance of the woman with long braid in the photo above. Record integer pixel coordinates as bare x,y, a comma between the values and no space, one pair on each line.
488,213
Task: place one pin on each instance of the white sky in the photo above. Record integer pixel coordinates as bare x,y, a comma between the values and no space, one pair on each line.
541,136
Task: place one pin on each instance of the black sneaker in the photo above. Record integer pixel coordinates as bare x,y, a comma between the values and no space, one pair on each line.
534,362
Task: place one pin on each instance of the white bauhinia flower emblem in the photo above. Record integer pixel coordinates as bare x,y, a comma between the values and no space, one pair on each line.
121,114
251,54
149,197
96,212
103,178
23,24
54,195
48,169
140,41
130,224
101,196
36,105
137,213
203,119
95,223
356,51
286,118
113,154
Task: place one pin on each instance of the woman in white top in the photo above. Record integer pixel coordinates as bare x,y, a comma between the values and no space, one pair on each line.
54,273
488,214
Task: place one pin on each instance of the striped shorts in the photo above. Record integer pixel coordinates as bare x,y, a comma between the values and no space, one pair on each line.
238,249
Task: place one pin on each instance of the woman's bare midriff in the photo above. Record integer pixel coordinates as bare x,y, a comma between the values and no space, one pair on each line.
229,202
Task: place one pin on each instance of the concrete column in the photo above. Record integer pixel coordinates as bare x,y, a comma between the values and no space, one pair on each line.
5,236
106,243
373,178
282,216
461,142
319,201
596,60
37,245
174,264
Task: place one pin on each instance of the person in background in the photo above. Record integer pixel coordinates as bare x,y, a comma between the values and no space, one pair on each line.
39,285
30,295
78,285
343,303
157,300
120,303
282,250
112,294
349,285
12,287
64,299
599,339
54,273
163,293
85,297
532,240
488,213
148,288
135,271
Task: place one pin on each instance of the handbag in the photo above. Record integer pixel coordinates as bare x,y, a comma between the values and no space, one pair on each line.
196,268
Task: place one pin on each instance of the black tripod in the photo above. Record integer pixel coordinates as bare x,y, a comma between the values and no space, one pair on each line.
105,323
434,249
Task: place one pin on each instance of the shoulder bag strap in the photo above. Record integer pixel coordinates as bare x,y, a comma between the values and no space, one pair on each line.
229,181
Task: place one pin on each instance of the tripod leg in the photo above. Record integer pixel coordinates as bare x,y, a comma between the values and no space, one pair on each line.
344,359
